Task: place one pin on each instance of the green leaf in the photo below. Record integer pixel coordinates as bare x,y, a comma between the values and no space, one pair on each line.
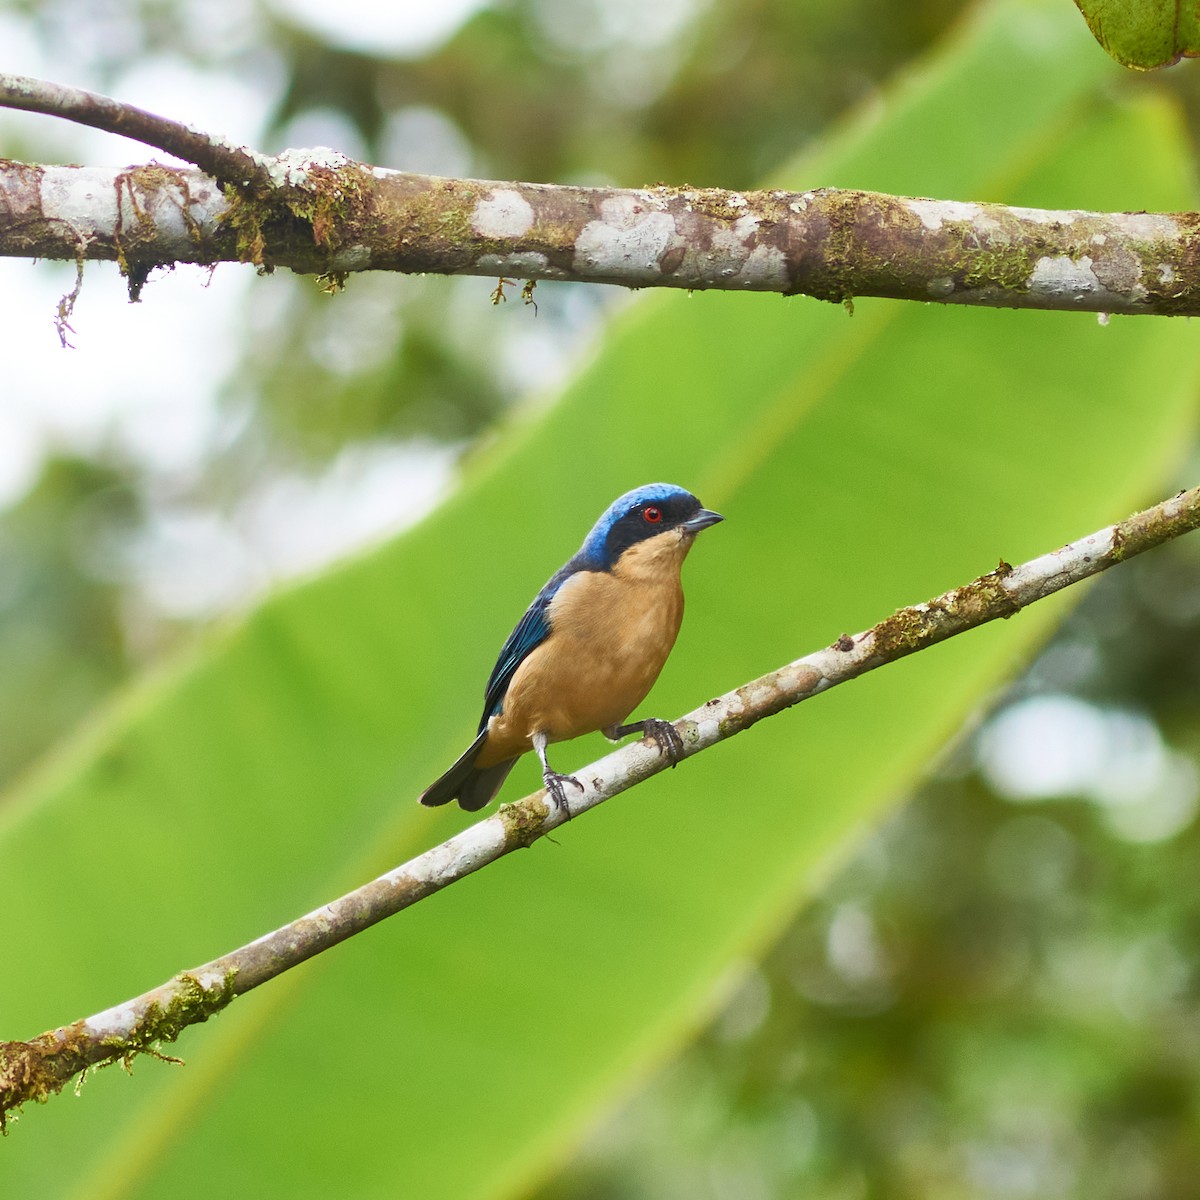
1144,34
862,462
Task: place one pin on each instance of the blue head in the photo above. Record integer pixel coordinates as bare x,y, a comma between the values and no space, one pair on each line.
646,512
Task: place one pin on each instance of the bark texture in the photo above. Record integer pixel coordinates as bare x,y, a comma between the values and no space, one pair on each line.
321,213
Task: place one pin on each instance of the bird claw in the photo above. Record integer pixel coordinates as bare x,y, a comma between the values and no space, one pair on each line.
554,785
665,737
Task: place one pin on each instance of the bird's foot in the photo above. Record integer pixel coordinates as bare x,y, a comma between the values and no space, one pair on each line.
555,786
665,737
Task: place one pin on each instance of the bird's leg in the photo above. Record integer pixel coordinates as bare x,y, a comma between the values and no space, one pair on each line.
663,734
552,779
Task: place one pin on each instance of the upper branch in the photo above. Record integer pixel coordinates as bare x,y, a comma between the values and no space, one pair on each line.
38,1068
223,160
320,212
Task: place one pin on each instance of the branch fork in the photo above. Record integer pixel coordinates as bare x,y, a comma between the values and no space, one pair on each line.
319,212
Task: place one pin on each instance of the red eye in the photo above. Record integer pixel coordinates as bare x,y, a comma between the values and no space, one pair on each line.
652,514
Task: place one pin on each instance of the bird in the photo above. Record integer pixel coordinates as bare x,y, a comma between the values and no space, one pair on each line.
588,649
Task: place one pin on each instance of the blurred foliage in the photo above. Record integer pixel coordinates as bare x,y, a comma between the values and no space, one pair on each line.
992,999
62,644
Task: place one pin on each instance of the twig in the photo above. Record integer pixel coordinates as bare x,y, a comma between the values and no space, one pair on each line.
36,1069
219,157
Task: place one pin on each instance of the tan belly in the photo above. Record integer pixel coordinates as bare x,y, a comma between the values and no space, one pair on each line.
611,634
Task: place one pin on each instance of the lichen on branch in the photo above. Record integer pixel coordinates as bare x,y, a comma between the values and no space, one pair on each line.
319,212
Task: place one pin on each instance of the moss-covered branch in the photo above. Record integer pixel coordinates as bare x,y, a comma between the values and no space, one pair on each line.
319,212
37,1069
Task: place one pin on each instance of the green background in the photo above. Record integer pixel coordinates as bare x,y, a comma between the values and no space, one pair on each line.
862,461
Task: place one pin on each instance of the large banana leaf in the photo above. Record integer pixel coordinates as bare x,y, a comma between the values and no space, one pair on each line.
862,461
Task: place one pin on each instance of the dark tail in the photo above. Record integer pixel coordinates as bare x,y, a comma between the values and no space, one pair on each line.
472,788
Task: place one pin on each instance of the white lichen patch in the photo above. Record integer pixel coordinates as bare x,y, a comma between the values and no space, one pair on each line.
655,198
291,167
164,206
210,980
1047,216
745,227
503,214
1147,226
729,257
118,1021
1166,273
82,198
1063,276
934,213
625,243
807,675
757,695
1058,279
529,264
765,270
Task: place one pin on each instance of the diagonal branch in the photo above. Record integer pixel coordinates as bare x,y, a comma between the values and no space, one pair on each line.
37,1069
319,212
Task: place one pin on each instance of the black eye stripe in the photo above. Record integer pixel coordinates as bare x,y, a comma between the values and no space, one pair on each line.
636,524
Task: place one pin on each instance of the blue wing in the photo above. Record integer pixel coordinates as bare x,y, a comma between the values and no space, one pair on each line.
531,631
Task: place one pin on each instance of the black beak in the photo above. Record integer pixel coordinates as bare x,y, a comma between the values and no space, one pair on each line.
702,520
